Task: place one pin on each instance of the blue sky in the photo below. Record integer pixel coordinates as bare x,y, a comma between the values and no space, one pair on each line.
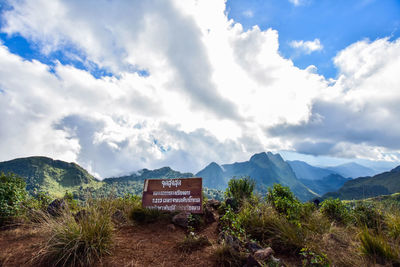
207,80
336,23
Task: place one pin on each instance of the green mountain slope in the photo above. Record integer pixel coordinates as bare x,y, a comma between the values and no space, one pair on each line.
56,177
52,176
265,168
365,187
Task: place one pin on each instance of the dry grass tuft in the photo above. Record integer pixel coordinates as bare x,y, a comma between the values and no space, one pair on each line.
73,242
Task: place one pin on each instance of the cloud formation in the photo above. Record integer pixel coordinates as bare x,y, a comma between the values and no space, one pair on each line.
307,47
215,92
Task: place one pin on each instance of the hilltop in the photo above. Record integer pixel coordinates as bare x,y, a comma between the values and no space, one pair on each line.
365,187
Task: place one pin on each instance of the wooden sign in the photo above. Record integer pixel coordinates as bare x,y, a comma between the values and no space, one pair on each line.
180,194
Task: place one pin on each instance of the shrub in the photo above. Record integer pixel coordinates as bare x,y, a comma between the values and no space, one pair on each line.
313,259
142,215
284,202
12,195
231,224
72,203
192,242
367,215
239,190
377,248
72,242
335,210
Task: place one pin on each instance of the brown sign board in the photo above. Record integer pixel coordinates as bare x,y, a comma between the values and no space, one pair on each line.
180,194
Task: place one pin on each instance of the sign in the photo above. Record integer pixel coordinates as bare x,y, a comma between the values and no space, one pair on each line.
180,194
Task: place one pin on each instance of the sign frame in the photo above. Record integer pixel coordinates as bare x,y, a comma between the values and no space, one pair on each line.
174,194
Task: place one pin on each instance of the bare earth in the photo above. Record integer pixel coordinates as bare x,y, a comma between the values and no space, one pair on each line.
147,245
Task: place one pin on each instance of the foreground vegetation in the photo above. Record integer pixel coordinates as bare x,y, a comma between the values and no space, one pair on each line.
333,233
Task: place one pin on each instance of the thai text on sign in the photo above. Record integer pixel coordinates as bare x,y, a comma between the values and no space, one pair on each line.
180,194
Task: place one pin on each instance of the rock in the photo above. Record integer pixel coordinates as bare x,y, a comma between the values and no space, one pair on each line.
210,214
263,254
252,262
119,217
171,227
181,219
56,207
252,246
229,240
213,203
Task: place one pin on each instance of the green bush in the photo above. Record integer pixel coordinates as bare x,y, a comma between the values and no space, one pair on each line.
239,190
12,195
313,259
77,242
367,215
284,202
231,224
335,210
142,215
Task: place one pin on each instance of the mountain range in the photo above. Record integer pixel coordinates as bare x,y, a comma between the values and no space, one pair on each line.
306,181
365,187
264,168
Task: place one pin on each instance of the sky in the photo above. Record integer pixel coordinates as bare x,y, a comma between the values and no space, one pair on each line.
117,86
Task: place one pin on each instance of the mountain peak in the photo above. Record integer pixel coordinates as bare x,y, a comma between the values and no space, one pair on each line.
260,157
397,169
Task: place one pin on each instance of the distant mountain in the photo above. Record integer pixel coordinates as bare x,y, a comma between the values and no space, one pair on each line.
56,177
352,170
365,187
53,176
329,183
305,171
265,168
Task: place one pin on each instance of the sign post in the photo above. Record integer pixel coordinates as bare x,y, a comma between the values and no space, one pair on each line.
180,194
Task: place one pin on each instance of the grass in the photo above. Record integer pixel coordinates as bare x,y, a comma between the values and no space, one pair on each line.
377,248
72,242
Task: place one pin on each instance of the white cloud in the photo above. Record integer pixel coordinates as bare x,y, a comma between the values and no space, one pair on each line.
212,92
296,2
248,13
307,46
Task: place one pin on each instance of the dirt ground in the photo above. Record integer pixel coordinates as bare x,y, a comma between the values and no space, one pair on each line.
147,245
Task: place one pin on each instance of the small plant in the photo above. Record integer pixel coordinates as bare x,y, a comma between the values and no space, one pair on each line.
239,190
12,195
312,259
284,202
231,224
335,210
71,201
377,248
193,242
226,255
393,224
